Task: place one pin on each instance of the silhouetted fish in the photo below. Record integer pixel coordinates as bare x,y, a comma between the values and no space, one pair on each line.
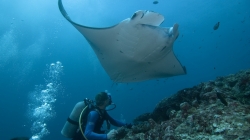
216,26
155,2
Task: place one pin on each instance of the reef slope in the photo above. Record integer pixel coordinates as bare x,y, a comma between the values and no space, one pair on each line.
218,109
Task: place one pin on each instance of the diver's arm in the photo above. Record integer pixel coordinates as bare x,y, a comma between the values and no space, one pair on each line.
92,118
115,122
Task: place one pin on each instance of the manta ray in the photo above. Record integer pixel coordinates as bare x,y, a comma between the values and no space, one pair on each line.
136,49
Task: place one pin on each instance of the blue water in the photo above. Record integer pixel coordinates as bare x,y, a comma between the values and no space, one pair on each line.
34,34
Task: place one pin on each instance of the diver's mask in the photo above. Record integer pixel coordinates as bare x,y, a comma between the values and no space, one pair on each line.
111,104
110,99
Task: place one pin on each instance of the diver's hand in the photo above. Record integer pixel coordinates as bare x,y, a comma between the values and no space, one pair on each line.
111,134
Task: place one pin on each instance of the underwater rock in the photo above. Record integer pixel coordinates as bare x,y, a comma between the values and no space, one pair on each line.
222,99
195,103
142,118
121,132
206,111
232,82
164,107
247,94
184,106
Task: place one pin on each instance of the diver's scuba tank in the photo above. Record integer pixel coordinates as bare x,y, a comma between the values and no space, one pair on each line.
72,124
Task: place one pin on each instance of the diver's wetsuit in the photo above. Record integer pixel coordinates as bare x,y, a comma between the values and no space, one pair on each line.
94,124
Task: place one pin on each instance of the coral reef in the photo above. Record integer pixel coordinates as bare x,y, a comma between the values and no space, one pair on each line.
215,110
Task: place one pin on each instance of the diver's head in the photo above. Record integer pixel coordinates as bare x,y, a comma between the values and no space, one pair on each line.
102,100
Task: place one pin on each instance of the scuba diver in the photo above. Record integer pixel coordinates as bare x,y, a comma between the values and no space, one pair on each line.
86,119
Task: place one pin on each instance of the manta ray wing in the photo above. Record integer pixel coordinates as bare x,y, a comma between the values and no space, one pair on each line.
136,49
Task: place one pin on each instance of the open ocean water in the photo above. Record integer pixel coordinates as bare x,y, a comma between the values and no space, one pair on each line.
47,66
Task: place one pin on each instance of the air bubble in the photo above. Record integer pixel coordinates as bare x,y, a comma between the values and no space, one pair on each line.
44,99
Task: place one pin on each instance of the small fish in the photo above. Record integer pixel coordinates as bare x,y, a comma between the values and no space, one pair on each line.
216,26
155,2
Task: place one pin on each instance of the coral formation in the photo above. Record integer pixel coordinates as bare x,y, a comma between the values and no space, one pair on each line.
218,110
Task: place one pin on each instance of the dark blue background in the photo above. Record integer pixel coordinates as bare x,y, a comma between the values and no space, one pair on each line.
34,34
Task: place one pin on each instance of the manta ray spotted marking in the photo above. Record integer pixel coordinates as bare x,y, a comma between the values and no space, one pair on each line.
135,49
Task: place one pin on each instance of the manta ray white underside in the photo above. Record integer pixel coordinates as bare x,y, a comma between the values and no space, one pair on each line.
136,49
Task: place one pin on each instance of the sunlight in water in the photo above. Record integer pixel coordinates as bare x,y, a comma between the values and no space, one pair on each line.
41,108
